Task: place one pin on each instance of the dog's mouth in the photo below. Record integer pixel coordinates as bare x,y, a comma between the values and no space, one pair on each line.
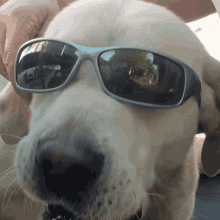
55,212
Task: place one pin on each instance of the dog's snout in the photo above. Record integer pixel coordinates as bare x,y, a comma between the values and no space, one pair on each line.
64,171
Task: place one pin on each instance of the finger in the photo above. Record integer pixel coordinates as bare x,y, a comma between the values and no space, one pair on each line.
30,26
21,29
46,22
3,70
14,42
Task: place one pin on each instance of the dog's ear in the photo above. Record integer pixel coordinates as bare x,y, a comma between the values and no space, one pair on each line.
14,116
210,117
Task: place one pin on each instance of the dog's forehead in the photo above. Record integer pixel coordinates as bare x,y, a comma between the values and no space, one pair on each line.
102,23
107,22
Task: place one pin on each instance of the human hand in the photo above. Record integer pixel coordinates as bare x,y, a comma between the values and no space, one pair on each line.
20,21
210,118
211,150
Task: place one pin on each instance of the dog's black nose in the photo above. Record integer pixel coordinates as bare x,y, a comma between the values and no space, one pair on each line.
64,172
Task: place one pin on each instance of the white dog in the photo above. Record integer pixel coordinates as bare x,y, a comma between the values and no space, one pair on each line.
141,158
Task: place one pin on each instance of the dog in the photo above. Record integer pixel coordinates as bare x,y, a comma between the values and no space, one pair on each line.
143,158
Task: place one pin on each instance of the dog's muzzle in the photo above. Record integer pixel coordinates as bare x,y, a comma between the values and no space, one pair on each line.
64,171
67,177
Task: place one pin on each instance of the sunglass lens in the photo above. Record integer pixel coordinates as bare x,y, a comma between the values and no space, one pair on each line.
142,76
45,65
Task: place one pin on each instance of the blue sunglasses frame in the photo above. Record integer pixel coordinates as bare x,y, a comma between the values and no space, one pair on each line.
192,85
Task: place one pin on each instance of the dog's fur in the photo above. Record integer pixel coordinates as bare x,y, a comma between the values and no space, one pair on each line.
149,159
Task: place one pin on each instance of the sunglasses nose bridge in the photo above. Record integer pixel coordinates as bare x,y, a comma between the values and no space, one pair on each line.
85,55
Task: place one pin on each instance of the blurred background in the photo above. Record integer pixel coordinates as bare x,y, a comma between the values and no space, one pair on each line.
208,194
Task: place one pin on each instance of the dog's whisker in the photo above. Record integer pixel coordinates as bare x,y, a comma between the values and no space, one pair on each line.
32,200
8,150
160,197
109,214
11,135
8,172
8,189
137,216
25,203
9,196
9,200
6,193
135,195
9,147
156,194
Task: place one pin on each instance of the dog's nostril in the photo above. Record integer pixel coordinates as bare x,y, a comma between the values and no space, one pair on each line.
73,172
64,175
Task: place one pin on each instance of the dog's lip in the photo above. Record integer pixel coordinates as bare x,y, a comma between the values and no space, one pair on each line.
58,212
137,216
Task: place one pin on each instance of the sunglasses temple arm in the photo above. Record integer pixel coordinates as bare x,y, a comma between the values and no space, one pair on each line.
193,86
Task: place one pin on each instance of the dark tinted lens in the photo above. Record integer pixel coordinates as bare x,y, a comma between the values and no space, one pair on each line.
142,76
45,65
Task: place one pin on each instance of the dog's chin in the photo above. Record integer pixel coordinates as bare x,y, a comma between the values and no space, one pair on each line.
55,212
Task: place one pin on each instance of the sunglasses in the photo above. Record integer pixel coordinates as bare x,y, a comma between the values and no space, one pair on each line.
129,74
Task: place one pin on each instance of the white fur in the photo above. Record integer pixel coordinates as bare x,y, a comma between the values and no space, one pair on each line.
150,148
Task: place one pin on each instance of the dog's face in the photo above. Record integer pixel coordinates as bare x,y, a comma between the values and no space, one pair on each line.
85,150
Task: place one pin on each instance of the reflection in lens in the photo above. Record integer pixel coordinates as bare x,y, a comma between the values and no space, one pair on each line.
141,76
142,71
45,65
